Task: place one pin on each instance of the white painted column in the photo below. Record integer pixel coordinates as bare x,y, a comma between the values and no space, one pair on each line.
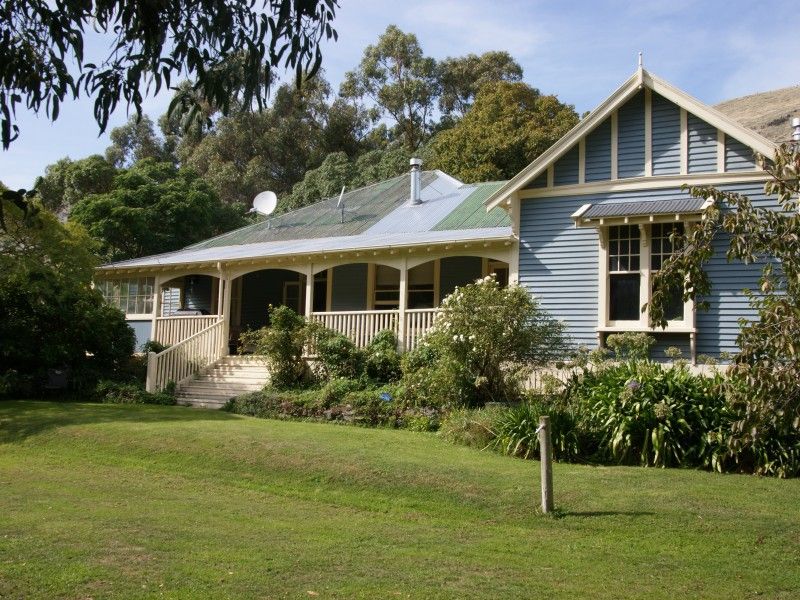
309,291
220,294
401,337
156,305
226,314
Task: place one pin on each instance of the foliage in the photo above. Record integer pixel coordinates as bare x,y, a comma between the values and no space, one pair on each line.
273,149
66,182
381,358
400,81
630,345
135,141
483,342
516,430
640,412
764,387
472,427
508,126
338,355
283,344
153,207
462,77
49,315
229,49
112,392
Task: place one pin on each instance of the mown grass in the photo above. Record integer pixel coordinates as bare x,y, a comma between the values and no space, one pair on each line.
104,501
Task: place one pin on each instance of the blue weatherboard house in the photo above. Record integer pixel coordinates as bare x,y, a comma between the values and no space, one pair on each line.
583,227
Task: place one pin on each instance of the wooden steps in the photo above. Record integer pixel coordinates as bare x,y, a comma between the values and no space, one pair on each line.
230,376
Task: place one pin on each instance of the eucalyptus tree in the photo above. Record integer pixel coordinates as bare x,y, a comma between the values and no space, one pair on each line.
230,49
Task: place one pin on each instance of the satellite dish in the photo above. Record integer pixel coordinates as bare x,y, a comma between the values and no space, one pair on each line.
265,203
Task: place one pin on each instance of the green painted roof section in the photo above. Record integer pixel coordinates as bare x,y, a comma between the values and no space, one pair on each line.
363,208
471,213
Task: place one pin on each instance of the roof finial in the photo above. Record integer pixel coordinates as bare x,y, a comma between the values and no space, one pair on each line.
640,60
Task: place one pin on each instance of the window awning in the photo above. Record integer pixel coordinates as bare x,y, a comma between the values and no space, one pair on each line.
639,211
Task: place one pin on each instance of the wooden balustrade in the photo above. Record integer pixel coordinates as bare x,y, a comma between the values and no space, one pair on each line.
171,330
359,325
418,323
186,358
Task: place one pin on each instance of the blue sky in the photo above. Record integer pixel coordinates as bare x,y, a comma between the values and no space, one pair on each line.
581,51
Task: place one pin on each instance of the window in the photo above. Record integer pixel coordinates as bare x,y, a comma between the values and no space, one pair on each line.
293,296
631,254
661,249
624,276
133,296
321,291
420,286
387,288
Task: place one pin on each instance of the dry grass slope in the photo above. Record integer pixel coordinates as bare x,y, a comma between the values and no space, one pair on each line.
768,113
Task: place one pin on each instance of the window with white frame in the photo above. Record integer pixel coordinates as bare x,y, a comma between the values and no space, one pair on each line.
624,282
420,286
661,248
132,295
387,288
633,253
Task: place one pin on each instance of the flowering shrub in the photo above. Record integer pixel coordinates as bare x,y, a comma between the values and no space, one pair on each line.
484,341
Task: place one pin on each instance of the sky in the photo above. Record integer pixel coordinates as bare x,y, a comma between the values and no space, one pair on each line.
580,50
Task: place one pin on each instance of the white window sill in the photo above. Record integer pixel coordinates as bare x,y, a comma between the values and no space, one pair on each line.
643,327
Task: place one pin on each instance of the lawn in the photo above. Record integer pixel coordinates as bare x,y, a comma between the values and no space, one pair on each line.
104,501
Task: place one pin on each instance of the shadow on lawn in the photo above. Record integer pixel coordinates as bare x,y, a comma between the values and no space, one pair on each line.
603,513
20,419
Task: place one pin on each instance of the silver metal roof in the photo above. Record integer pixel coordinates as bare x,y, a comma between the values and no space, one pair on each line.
365,241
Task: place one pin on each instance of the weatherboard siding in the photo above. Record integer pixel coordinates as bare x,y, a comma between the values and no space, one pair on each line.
630,138
537,182
558,263
565,170
738,157
349,287
259,290
702,146
197,293
666,138
598,153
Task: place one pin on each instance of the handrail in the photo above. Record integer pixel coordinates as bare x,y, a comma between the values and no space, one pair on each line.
186,358
171,330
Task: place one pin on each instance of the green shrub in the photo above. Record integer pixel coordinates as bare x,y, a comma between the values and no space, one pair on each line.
282,344
338,355
381,358
335,390
516,430
630,345
112,392
640,412
485,340
153,346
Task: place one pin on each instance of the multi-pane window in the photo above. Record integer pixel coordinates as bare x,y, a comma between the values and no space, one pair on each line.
420,286
133,296
661,248
624,243
387,288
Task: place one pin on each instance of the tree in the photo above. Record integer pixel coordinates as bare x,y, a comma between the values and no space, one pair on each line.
65,182
509,125
154,207
50,317
135,141
461,78
272,150
764,384
228,47
400,81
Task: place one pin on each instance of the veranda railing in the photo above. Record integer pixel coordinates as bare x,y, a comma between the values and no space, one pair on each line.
171,330
187,358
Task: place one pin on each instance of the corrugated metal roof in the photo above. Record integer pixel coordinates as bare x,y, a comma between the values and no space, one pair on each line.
472,211
363,208
644,207
314,246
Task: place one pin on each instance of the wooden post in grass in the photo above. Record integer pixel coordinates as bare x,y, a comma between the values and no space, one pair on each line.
546,458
